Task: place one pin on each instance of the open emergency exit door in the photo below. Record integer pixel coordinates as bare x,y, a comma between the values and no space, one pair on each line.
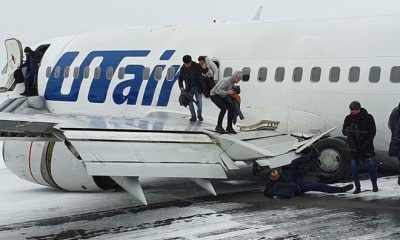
14,60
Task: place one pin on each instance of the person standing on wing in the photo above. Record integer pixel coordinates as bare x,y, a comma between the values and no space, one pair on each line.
359,127
190,73
218,96
212,73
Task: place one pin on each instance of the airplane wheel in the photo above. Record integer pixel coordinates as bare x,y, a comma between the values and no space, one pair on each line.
333,165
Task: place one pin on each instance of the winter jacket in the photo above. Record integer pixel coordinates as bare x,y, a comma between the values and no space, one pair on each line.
207,84
31,63
284,187
212,69
394,117
290,181
236,108
360,131
223,87
283,190
394,126
191,76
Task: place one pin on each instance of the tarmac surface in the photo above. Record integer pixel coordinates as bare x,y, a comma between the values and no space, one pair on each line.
179,209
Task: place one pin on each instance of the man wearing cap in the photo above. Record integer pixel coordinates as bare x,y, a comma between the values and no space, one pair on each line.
359,127
394,126
289,181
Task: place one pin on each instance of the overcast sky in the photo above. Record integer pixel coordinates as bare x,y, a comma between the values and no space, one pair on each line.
34,21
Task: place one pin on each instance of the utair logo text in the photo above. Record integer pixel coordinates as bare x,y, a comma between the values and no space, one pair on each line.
100,87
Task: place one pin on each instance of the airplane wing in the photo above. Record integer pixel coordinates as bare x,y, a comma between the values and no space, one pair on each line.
162,144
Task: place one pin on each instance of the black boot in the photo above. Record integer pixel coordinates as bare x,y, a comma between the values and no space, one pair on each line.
398,181
357,191
375,187
220,129
193,119
231,130
348,187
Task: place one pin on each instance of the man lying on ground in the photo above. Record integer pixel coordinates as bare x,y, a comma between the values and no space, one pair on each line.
288,182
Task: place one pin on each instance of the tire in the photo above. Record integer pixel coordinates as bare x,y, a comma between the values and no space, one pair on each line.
333,165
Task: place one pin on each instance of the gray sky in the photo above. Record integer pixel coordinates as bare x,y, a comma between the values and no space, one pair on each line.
35,21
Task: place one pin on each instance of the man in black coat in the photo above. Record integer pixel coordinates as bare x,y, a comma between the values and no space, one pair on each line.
32,67
394,126
190,74
289,181
359,127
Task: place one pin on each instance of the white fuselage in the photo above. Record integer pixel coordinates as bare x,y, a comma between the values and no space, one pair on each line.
300,106
130,72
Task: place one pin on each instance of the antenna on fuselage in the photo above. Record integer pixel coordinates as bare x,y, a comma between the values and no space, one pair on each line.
258,14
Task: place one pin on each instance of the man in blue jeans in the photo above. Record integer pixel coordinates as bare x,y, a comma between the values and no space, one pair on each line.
359,127
190,73
289,182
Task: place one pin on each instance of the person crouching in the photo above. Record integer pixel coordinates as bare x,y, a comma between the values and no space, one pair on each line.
218,96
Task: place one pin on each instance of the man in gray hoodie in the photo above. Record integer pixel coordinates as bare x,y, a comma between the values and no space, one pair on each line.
218,95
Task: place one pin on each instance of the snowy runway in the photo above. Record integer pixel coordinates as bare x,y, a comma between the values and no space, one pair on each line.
180,210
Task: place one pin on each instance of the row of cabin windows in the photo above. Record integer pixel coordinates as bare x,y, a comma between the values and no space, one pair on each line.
109,72
315,76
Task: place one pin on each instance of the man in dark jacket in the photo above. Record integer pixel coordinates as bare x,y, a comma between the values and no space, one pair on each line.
190,74
32,66
359,127
394,126
289,182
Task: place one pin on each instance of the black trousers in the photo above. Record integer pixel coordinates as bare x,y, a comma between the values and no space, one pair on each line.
223,105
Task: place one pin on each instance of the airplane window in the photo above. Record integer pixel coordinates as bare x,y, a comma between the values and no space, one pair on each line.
86,72
315,74
354,74
297,74
228,72
97,72
334,74
76,72
246,74
262,74
146,73
121,73
66,72
110,73
170,74
395,74
158,74
374,74
48,71
280,74
57,72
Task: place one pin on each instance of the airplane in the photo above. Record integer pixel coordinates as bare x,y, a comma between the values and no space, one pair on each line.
107,112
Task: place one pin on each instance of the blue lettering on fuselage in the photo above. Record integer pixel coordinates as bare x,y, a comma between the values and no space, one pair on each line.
99,88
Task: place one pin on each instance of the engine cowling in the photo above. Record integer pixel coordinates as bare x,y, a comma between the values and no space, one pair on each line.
51,164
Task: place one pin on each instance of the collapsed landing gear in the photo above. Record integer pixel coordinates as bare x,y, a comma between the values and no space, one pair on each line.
333,165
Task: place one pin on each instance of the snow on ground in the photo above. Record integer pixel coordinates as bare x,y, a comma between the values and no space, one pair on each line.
22,201
36,212
388,189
